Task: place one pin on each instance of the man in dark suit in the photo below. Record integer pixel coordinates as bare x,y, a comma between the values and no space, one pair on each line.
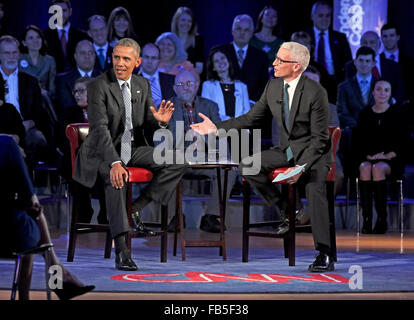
98,31
62,40
187,106
85,61
331,47
301,109
162,84
383,67
25,94
120,107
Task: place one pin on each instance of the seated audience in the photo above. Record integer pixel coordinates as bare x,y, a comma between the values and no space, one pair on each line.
380,144
25,94
172,53
98,31
231,95
266,36
383,67
85,62
183,24
61,42
24,225
35,61
120,26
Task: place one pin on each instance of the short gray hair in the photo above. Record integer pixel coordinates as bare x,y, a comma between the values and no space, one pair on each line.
240,17
298,52
9,39
180,53
128,42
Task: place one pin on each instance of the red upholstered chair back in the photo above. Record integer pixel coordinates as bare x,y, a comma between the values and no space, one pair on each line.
335,134
76,133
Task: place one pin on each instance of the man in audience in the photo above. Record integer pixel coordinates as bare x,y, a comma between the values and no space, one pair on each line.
187,106
383,68
85,61
98,31
25,94
62,40
161,83
390,35
331,47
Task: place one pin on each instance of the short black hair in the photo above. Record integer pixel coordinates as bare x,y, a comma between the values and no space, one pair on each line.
62,1
365,51
389,26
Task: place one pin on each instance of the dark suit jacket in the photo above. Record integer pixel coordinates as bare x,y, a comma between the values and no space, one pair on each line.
64,87
350,102
167,85
390,71
341,52
31,104
55,47
254,69
106,113
307,134
108,61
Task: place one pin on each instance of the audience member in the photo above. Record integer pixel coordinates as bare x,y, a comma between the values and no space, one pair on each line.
98,31
331,47
161,83
380,144
25,94
62,40
24,225
120,26
231,95
266,37
383,67
10,120
183,24
172,54
85,62
187,107
35,61
390,36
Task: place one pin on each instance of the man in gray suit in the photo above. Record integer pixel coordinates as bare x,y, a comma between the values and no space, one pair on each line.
187,106
120,108
301,110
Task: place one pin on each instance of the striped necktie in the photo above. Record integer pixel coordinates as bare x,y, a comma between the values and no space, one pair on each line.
127,136
240,57
155,90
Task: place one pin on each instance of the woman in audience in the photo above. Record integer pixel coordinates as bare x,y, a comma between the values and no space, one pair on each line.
230,94
380,142
35,61
172,54
266,37
120,26
184,26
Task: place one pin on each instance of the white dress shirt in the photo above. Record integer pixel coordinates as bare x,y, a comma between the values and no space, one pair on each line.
236,48
328,54
396,55
12,82
59,30
83,73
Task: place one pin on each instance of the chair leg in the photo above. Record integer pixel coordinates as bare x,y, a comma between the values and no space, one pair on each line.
246,221
15,278
73,234
47,274
181,220
401,207
358,224
108,245
330,185
292,223
176,216
164,235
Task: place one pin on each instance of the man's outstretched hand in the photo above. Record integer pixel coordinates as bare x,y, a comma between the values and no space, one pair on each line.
164,112
205,127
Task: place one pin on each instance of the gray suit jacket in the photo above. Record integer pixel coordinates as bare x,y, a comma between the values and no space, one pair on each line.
307,134
106,113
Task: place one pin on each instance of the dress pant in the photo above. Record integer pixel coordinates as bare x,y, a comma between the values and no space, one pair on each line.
160,188
315,188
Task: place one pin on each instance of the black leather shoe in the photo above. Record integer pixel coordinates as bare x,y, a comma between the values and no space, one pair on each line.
322,263
123,261
138,227
70,290
367,226
210,223
171,225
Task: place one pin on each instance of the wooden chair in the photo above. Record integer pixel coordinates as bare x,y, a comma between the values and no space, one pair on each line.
77,133
289,237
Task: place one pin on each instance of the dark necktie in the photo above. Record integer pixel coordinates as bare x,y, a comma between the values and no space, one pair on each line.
375,73
101,58
63,41
127,136
321,49
240,57
286,113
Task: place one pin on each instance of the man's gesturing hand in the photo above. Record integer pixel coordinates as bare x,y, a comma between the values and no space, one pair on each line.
205,127
117,174
164,112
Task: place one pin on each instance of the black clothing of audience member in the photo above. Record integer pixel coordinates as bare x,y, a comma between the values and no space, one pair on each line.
64,60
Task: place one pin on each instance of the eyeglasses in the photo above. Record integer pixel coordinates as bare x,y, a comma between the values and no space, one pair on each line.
281,61
74,92
189,84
